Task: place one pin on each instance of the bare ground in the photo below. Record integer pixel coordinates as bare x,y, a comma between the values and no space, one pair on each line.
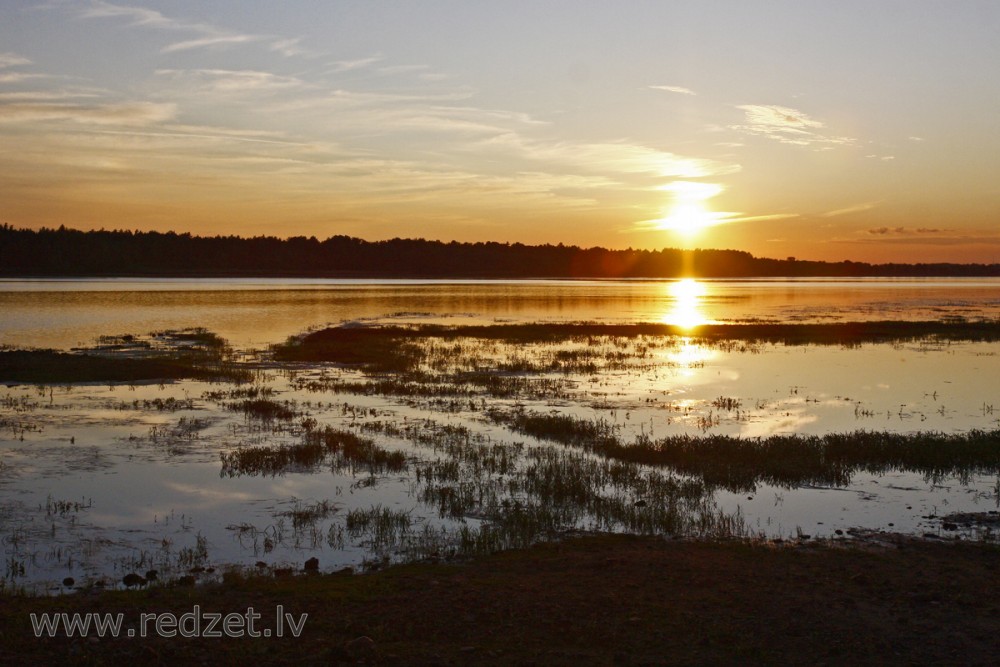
584,601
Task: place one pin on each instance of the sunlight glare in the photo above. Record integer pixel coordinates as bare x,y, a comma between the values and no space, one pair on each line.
686,312
688,214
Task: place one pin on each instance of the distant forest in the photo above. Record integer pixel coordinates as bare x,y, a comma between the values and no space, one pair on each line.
70,252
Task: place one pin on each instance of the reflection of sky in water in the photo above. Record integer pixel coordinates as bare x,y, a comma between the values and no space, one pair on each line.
146,493
258,312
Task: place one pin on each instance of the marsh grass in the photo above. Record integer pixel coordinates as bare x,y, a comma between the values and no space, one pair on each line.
741,464
166,355
307,514
394,349
509,495
264,409
341,450
382,527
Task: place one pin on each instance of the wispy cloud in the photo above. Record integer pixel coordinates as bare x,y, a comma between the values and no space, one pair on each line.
210,41
925,236
136,113
9,59
45,96
904,231
675,89
291,47
138,15
207,36
848,210
16,77
788,126
615,158
224,81
358,63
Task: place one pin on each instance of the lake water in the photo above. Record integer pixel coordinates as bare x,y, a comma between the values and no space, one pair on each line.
100,480
66,313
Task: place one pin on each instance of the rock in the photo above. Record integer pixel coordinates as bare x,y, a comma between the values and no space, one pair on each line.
312,565
361,648
132,579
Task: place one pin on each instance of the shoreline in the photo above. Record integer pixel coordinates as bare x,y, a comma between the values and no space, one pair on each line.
596,599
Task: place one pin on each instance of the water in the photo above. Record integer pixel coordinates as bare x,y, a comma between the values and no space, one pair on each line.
97,480
255,312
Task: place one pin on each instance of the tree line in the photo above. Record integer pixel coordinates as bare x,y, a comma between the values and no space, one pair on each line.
75,253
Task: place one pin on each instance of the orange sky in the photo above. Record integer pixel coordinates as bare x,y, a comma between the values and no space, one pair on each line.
851,130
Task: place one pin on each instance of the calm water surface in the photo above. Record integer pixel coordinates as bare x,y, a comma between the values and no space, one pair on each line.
97,481
66,313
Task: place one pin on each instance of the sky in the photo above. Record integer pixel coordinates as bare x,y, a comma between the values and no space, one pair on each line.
850,130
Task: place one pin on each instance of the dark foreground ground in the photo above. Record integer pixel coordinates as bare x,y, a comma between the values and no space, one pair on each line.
592,600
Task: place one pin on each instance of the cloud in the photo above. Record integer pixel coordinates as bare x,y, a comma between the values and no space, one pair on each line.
212,41
903,231
290,47
136,113
614,157
45,96
12,60
139,15
788,126
927,237
675,89
209,36
348,65
857,208
782,119
14,77
402,69
225,81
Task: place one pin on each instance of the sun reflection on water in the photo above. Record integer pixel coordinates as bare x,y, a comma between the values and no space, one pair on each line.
689,357
687,295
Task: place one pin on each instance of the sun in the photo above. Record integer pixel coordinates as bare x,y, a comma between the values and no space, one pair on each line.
688,214
687,219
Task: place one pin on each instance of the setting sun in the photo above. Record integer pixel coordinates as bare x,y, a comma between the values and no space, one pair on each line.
689,214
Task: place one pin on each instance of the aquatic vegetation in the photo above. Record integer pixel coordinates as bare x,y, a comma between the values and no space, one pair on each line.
393,349
485,438
327,446
741,464
264,409
165,355
306,514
